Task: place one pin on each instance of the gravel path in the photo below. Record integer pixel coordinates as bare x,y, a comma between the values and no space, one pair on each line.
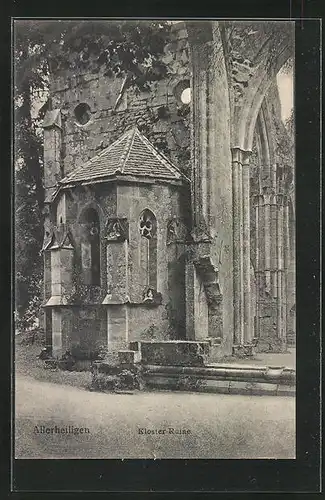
213,425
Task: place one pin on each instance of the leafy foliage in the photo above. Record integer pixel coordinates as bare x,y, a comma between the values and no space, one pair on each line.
124,379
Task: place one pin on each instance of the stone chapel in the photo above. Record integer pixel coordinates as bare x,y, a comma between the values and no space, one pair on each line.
167,213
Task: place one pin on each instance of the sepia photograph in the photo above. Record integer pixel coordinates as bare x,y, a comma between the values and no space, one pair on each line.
154,239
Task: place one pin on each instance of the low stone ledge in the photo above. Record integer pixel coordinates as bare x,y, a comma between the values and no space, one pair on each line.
239,387
164,382
286,390
258,374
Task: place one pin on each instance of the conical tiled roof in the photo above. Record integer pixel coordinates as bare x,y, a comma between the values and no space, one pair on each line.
131,155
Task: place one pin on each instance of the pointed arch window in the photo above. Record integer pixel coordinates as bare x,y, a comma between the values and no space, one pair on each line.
90,247
148,249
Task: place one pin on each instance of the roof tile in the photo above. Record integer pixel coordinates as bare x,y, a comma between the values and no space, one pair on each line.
132,155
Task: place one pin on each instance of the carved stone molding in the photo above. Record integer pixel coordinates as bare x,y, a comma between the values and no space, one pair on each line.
117,229
57,237
177,231
201,233
151,297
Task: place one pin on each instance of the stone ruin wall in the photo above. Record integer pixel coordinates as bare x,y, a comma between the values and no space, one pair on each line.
159,113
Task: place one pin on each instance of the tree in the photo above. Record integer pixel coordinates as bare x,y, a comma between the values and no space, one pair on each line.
40,49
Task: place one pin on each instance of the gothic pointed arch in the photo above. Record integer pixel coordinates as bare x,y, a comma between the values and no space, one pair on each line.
246,114
147,226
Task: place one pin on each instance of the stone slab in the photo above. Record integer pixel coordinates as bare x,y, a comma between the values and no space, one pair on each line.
176,353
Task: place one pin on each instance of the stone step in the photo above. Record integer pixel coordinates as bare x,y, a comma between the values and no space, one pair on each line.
220,386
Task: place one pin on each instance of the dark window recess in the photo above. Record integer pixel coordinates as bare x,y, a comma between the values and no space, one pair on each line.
82,113
148,231
91,235
146,224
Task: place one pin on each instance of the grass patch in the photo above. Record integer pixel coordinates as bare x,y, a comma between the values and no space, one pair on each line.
27,364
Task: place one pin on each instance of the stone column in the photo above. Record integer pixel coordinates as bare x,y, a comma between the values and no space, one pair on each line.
61,289
52,150
280,270
241,246
176,263
57,342
199,137
290,276
270,264
190,299
246,250
237,246
117,270
257,202
286,260
117,261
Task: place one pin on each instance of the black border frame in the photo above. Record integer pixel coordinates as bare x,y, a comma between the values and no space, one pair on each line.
248,476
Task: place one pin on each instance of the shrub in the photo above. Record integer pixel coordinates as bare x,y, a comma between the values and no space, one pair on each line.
125,378
31,337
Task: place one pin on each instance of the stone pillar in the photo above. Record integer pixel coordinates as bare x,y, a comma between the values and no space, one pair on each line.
290,276
201,308
117,270
117,261
59,281
48,327
176,260
189,291
117,325
282,291
52,150
211,202
52,127
246,251
241,246
215,325
237,247
286,261
57,343
256,204
199,138
199,39
47,275
270,271
61,271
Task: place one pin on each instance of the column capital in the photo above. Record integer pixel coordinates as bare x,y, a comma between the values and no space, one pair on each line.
257,199
240,155
282,199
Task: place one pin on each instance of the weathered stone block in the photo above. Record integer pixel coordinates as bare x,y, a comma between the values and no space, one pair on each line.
286,390
175,353
126,357
238,387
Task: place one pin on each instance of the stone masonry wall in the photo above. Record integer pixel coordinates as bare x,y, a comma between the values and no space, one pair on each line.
121,274
158,113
